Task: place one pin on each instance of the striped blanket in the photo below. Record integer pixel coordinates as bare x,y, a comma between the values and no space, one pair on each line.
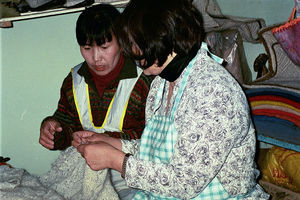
276,115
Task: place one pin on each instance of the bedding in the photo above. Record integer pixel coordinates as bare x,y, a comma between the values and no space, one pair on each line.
69,178
276,115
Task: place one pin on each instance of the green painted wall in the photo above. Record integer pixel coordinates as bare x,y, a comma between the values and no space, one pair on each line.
37,54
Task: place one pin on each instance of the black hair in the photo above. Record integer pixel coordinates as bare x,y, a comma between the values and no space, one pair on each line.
159,27
96,24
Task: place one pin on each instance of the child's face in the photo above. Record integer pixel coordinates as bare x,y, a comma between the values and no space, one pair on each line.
101,59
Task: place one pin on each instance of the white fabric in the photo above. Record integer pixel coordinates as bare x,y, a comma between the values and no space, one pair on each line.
70,3
18,184
69,178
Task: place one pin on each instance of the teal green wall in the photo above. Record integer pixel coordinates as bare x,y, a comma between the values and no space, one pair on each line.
37,54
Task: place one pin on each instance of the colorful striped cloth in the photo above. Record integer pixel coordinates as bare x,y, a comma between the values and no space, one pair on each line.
276,108
276,115
275,102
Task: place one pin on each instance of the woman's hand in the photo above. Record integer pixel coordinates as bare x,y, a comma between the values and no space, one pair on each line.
80,137
100,155
47,130
87,137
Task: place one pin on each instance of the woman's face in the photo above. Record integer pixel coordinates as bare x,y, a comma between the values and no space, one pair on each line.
101,59
153,69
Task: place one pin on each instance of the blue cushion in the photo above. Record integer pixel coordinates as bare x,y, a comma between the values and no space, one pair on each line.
277,131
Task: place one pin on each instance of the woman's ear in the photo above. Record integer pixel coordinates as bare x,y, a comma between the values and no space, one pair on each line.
170,57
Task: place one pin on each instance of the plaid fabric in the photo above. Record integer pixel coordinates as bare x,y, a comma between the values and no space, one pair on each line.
158,147
214,191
